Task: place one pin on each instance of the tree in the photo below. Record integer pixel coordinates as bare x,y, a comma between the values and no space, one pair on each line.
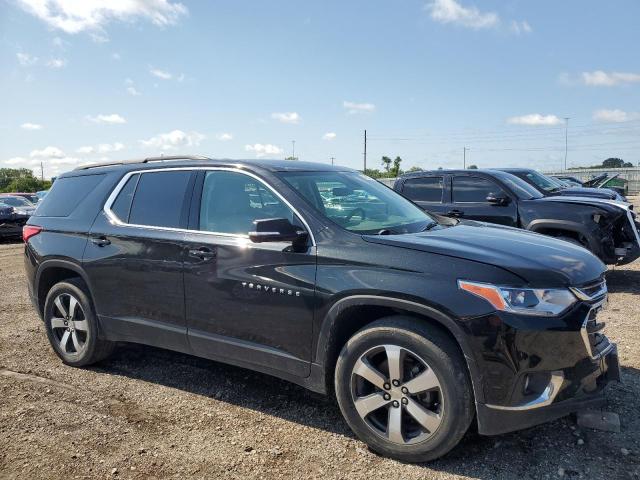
291,158
395,170
472,167
414,169
20,180
613,163
386,163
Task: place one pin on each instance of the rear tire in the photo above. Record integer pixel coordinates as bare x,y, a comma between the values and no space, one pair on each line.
71,325
419,416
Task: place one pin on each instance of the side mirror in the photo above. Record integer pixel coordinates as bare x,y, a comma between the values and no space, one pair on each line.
498,201
277,230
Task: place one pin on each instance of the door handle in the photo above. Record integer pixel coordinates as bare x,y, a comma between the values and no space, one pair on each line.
455,213
101,241
202,253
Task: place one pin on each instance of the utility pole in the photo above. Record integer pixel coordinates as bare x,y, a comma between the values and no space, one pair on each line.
464,157
332,159
293,149
566,141
365,153
41,170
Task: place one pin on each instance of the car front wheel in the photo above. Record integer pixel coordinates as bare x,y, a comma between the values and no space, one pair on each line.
404,390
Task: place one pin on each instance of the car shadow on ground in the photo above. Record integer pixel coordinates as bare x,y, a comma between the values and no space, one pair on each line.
476,455
623,281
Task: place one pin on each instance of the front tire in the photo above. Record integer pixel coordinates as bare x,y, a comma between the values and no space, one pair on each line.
404,390
71,325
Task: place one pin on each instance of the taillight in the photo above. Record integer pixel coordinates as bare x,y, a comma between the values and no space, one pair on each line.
29,231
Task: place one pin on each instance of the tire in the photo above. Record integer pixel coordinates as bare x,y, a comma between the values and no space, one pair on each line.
429,357
73,335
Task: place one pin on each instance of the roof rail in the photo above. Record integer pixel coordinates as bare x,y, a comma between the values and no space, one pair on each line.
144,160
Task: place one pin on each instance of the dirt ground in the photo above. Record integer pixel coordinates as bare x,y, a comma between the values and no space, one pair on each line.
148,413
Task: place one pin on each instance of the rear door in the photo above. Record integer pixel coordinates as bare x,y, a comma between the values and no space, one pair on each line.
469,200
428,192
247,303
134,258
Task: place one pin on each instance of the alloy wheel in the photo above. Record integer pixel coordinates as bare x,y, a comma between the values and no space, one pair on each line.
397,394
69,324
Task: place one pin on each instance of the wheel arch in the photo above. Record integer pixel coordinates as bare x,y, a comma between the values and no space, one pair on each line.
543,226
350,314
51,272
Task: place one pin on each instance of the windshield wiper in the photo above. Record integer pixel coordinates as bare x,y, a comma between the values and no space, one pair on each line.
429,226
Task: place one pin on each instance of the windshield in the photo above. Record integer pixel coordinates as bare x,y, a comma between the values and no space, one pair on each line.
543,182
17,201
358,203
522,189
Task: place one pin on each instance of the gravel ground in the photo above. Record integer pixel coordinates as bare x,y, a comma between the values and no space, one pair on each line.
148,413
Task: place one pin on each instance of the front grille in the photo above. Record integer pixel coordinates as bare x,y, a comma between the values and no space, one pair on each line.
592,291
595,341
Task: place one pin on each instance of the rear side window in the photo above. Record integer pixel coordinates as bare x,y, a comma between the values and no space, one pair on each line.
159,198
425,189
122,206
66,194
474,189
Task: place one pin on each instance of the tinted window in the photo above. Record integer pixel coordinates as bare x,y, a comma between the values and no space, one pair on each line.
474,189
522,189
159,199
232,201
122,205
66,194
426,189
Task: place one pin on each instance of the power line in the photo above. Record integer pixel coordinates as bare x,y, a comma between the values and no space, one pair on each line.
566,140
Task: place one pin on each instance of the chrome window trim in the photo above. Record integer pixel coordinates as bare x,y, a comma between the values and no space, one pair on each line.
113,218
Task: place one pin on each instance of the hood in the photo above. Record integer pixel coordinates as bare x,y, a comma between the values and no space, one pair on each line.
588,192
539,260
593,201
596,180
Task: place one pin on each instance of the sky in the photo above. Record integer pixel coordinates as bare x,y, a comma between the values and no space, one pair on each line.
88,81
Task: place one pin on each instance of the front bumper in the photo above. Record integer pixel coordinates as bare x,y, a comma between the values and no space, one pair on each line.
495,420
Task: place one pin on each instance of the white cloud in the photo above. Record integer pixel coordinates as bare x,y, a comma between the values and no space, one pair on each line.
93,15
156,72
224,136
31,126
47,152
110,147
17,161
286,117
85,150
615,116
26,60
263,149
535,119
174,139
131,90
56,63
59,43
116,56
113,118
329,136
353,107
599,78
450,11
520,27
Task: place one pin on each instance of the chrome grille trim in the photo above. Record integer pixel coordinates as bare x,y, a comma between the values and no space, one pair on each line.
591,292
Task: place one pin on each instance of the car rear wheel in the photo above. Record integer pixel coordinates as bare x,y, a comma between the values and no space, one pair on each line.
404,389
71,325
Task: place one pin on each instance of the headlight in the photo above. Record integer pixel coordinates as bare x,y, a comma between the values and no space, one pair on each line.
529,301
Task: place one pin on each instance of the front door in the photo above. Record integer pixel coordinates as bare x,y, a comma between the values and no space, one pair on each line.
249,304
469,200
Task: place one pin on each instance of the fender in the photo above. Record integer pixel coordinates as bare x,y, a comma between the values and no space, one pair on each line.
59,263
537,225
445,321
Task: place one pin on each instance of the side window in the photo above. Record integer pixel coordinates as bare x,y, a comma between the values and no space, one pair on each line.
122,205
424,189
159,198
66,194
474,189
232,201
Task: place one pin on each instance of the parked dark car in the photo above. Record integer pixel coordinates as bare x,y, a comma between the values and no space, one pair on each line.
549,186
21,205
607,228
31,197
11,221
605,181
569,181
327,278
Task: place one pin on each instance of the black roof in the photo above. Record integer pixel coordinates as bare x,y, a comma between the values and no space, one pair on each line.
201,161
420,173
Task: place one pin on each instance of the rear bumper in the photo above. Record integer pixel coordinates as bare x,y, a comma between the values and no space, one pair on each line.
495,420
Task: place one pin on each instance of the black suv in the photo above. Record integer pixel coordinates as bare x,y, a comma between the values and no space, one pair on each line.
607,228
327,278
